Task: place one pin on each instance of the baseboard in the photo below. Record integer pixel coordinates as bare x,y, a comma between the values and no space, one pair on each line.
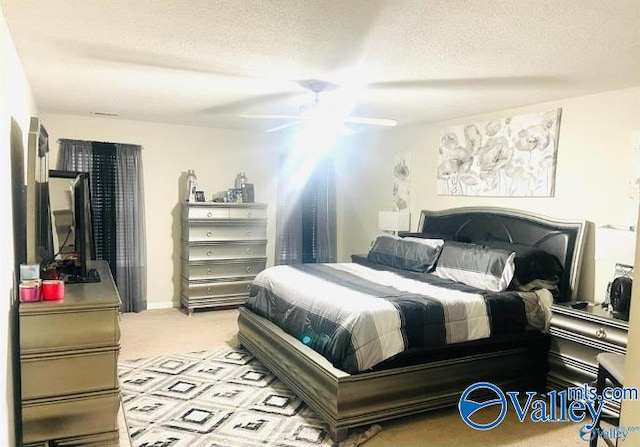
161,305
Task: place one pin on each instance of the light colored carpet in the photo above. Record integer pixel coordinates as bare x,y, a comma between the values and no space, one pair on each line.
170,331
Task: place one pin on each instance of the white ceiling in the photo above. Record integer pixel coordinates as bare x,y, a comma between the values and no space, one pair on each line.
204,62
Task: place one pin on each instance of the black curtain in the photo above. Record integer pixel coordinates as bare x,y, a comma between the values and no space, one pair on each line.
103,203
117,205
306,220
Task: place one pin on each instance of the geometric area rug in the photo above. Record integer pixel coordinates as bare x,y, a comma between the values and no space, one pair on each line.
218,398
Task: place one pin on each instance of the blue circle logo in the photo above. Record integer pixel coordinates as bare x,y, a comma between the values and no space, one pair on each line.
586,434
467,406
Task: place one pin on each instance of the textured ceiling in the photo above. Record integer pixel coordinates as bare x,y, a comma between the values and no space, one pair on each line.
204,62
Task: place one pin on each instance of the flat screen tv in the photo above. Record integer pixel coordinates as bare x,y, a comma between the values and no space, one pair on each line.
70,200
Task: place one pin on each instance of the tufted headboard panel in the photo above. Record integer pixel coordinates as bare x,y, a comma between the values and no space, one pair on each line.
561,238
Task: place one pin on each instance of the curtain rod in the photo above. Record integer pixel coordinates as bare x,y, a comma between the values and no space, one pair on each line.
60,140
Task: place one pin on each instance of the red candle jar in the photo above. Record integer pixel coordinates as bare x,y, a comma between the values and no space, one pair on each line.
29,291
52,289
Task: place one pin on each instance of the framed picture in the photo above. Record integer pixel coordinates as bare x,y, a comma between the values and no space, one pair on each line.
514,156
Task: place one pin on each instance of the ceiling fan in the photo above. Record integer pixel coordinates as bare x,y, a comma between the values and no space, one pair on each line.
318,113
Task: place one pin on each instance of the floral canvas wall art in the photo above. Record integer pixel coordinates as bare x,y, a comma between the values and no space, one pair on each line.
402,181
508,157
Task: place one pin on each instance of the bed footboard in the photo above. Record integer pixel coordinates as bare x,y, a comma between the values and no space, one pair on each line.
344,400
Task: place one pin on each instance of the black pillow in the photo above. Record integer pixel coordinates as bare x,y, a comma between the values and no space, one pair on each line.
404,254
443,236
531,263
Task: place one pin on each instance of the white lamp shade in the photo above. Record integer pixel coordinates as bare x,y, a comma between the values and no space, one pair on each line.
394,220
616,244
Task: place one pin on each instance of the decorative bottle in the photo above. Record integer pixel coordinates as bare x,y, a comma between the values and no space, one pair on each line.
192,186
241,178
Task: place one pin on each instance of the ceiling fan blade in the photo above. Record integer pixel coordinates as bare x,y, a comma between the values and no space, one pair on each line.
272,117
255,101
482,82
284,126
370,121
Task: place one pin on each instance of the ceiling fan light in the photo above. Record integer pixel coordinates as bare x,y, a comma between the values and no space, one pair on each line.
318,137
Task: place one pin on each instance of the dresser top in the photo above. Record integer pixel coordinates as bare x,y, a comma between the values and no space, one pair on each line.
593,312
224,205
81,296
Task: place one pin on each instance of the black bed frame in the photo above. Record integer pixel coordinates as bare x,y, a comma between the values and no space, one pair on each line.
564,239
348,400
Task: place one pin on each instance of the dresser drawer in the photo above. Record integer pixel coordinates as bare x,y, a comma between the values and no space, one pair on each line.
203,212
224,269
219,231
212,289
64,374
589,331
567,373
241,213
48,419
44,332
576,352
231,250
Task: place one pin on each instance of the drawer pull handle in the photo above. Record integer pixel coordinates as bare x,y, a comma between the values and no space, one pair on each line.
209,233
248,251
209,252
209,214
601,334
248,269
208,289
209,271
248,286
249,214
248,233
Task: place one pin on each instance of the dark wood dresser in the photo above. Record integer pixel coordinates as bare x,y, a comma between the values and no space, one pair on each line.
68,358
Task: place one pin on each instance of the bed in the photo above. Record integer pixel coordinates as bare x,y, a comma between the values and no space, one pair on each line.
432,377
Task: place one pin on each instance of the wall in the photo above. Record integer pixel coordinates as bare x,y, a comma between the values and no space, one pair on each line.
217,155
630,413
17,103
593,167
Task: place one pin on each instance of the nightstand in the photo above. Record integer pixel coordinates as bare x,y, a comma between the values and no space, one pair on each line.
577,336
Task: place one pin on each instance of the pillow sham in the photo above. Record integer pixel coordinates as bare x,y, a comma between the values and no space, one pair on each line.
535,268
405,253
476,265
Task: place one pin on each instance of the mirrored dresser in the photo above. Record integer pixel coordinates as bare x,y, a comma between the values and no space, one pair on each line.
223,249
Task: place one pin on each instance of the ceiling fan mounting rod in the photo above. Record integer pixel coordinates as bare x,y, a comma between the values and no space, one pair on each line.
317,86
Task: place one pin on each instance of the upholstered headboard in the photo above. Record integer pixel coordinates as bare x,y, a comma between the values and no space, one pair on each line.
563,239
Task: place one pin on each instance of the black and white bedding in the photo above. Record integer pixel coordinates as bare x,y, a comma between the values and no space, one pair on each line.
357,316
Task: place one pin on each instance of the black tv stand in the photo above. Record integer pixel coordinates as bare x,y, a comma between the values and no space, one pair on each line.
92,276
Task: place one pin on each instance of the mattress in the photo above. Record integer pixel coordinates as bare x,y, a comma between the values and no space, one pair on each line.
358,316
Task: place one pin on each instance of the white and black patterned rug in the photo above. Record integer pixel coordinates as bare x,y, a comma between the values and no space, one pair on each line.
218,398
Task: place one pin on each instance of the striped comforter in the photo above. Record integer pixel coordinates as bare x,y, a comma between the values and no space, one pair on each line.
357,316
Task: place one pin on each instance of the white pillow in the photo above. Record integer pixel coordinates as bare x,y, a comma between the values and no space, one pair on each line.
476,265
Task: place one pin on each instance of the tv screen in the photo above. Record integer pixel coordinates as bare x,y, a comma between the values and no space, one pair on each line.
70,199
